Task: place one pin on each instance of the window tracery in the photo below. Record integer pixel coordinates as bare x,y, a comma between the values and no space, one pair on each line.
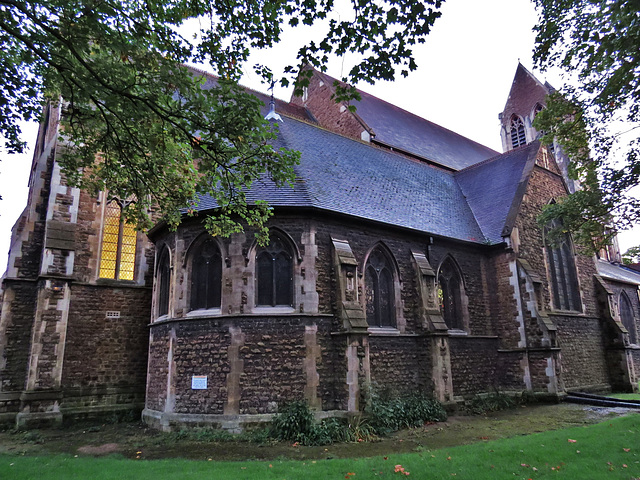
379,290
164,283
626,315
206,276
562,269
450,290
274,266
517,133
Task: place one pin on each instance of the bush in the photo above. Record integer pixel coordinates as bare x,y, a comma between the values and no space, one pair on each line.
389,415
481,404
293,422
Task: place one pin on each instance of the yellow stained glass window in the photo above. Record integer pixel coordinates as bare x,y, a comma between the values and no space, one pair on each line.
117,259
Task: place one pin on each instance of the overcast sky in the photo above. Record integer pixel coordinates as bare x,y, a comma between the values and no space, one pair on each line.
465,70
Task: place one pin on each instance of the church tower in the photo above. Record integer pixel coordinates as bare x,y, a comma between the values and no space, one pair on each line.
526,98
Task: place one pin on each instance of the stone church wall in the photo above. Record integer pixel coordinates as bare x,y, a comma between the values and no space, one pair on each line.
580,335
255,361
106,355
400,365
158,367
18,310
474,365
583,347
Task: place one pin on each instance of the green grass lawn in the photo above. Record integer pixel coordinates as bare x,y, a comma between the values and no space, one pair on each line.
626,396
608,450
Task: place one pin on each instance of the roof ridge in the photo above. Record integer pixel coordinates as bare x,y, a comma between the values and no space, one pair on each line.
496,157
379,147
249,89
408,112
520,65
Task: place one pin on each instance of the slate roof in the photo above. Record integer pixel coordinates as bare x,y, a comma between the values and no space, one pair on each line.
617,273
526,91
494,188
342,175
282,106
403,130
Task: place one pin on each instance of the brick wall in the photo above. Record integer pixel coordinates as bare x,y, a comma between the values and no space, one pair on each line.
331,115
474,363
158,368
401,365
272,355
103,352
583,351
18,310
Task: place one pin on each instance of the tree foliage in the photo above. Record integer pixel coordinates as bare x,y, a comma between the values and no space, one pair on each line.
631,256
138,123
596,123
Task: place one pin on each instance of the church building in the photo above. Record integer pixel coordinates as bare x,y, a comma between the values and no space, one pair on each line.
405,258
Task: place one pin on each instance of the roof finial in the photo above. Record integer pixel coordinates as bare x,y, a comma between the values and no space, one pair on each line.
272,115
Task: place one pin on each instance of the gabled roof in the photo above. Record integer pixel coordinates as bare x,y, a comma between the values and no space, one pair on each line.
342,175
494,189
282,106
526,91
395,127
617,273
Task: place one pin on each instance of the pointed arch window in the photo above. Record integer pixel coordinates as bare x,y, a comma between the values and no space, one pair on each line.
118,252
537,109
274,264
206,276
516,130
627,317
379,290
450,293
562,268
164,283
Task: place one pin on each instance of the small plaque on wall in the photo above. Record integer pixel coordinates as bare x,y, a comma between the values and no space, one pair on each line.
198,382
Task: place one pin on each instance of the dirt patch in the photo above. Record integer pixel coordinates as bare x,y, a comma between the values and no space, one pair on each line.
135,440
99,450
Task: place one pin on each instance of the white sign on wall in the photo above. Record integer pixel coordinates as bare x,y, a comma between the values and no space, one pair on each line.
198,382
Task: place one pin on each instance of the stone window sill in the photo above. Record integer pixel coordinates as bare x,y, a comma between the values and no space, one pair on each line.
384,331
273,310
454,332
205,312
566,313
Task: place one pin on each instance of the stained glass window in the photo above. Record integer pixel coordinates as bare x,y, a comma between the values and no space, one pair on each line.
626,315
564,278
206,276
118,255
517,132
450,295
379,291
274,267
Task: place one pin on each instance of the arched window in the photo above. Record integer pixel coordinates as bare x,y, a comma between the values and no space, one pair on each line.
274,265
517,132
537,109
450,291
626,315
164,283
206,276
379,290
118,253
562,267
